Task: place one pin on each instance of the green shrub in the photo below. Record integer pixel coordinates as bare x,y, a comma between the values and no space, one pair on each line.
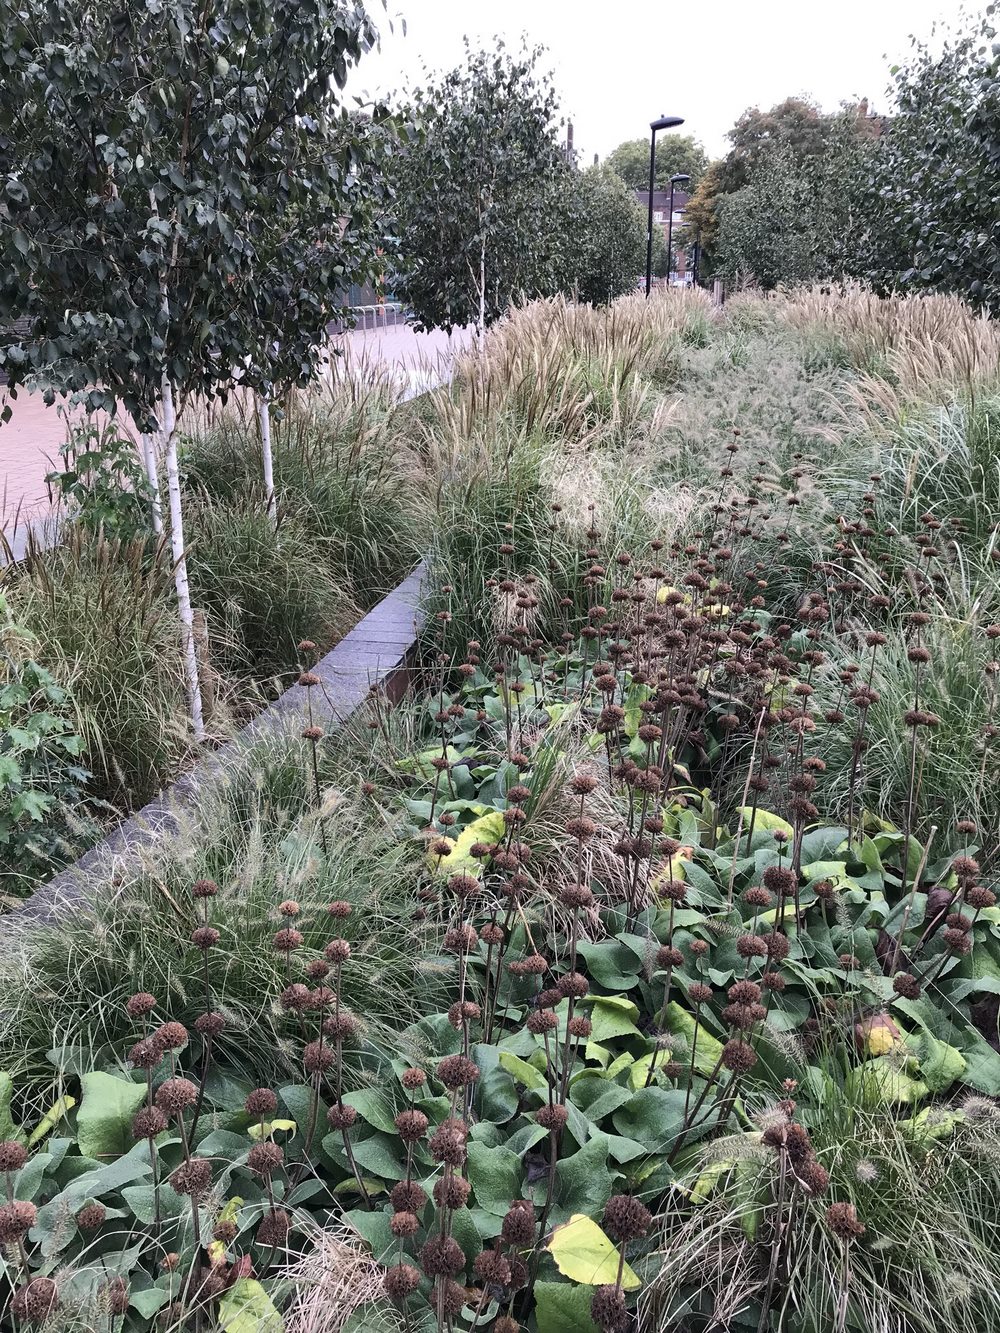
262,589
103,614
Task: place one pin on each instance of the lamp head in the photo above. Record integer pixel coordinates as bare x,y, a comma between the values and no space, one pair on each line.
679,179
666,123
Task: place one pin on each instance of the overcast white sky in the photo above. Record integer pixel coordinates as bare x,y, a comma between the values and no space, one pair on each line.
619,65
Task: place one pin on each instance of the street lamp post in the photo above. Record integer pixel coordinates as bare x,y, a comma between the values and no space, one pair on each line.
674,180
664,123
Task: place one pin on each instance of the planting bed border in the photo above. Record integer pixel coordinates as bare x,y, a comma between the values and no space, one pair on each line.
378,653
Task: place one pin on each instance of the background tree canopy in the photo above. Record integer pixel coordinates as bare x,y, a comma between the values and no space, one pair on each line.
478,183
675,154
935,184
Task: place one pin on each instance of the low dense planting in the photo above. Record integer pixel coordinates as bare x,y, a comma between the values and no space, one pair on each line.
640,971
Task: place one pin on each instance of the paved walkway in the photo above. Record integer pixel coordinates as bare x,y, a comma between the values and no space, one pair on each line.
30,441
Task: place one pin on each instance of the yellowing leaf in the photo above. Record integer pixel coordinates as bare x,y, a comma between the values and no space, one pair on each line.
257,1131
487,828
216,1252
522,1072
878,1034
51,1118
764,819
230,1209
584,1254
247,1308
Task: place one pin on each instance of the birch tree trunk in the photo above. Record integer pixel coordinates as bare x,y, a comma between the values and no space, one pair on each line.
180,563
264,416
153,478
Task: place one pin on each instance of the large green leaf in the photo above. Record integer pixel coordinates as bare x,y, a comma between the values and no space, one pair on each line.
495,1175
583,1181
652,1116
247,1308
104,1120
563,1307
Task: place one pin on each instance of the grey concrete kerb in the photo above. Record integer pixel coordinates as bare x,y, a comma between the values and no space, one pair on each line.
374,655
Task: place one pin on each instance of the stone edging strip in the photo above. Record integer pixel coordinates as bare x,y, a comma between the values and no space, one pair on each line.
376,653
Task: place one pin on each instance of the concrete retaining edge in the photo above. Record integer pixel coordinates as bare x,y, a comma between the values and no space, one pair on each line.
375,655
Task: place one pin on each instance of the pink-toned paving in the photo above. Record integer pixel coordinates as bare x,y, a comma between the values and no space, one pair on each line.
30,441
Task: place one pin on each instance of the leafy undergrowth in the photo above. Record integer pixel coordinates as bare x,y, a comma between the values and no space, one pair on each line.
647,977
696,1066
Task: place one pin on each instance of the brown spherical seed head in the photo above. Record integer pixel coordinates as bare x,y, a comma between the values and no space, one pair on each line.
462,1012
146,1054
608,1310
260,1103
491,933
460,939
441,1256
171,1036
312,734
413,1079
36,1301
552,1118
318,1057
540,1021
626,1218
451,1296
169,1262
814,1178
16,1220
193,1177
403,1225
407,1197
699,993
751,946
582,784
340,1116
204,937
295,997
699,948
175,1096
210,1025
579,1027
906,985
91,1216
668,956
140,1004
117,1293
738,1056
842,1219
225,1231
574,985
400,1282
491,1268
451,1192
274,1227
978,897
12,1155
341,1027
411,1126
204,888
457,1071
507,1324
576,896
287,940
780,880
447,1145
758,896
148,1122
518,1227
309,679
264,1159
